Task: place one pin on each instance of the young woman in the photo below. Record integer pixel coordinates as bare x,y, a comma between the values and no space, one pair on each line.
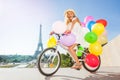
73,26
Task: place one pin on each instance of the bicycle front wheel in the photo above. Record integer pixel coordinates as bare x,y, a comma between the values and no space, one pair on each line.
49,61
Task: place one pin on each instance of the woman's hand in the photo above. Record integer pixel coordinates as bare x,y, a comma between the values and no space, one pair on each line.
67,32
52,32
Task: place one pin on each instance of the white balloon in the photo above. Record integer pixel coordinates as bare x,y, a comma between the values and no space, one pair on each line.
84,30
59,27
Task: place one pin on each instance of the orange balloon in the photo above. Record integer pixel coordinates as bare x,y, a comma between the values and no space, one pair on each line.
102,39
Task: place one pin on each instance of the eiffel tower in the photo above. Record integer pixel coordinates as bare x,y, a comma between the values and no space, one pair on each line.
40,45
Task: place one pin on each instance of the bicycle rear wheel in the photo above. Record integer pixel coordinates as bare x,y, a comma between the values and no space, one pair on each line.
49,61
91,69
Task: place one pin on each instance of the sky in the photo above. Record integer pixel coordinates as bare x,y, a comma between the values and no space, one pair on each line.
20,20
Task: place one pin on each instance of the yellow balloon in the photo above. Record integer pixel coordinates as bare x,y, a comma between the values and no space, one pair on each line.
51,42
52,38
98,28
95,48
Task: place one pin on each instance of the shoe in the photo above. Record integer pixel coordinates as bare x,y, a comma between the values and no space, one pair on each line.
76,66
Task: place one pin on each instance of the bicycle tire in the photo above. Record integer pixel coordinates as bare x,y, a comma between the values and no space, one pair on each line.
39,63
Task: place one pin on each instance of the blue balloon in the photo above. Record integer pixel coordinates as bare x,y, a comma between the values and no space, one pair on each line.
89,24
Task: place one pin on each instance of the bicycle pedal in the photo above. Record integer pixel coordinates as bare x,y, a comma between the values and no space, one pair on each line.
79,57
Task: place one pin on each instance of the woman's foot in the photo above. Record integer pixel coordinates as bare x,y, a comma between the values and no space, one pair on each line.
76,66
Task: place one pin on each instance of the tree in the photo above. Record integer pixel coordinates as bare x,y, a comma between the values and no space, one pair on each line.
66,60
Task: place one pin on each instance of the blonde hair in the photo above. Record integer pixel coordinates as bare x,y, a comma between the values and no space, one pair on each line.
67,21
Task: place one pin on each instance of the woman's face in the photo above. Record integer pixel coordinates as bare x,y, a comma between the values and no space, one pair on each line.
70,15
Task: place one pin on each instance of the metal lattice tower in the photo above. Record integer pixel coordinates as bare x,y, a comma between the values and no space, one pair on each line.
40,45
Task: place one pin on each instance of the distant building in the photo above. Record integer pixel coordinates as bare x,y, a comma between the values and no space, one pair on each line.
111,53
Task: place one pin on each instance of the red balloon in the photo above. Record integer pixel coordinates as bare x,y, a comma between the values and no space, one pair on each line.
92,60
102,21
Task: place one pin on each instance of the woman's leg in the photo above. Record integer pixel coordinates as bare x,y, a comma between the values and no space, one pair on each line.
73,53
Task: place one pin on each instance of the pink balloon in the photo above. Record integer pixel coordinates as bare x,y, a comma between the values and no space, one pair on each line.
88,18
68,39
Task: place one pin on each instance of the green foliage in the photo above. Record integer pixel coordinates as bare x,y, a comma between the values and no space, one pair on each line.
15,58
66,60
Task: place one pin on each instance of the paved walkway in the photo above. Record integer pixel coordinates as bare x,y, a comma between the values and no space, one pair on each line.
104,73
21,66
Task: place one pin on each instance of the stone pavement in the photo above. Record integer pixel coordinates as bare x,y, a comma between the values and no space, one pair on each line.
104,73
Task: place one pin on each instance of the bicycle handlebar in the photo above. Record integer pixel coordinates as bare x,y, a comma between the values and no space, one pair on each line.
58,35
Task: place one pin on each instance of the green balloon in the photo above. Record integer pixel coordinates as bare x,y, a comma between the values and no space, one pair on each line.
81,48
91,37
79,53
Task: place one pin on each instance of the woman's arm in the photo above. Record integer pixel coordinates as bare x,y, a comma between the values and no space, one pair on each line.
79,22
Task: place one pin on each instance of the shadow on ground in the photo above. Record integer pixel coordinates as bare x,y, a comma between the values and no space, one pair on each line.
94,76
62,77
103,76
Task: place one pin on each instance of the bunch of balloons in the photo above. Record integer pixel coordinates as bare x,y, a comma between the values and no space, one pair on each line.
97,28
95,38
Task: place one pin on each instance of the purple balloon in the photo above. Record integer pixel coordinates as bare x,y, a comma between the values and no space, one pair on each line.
68,39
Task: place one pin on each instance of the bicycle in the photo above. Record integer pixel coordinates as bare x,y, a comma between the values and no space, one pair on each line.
49,60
